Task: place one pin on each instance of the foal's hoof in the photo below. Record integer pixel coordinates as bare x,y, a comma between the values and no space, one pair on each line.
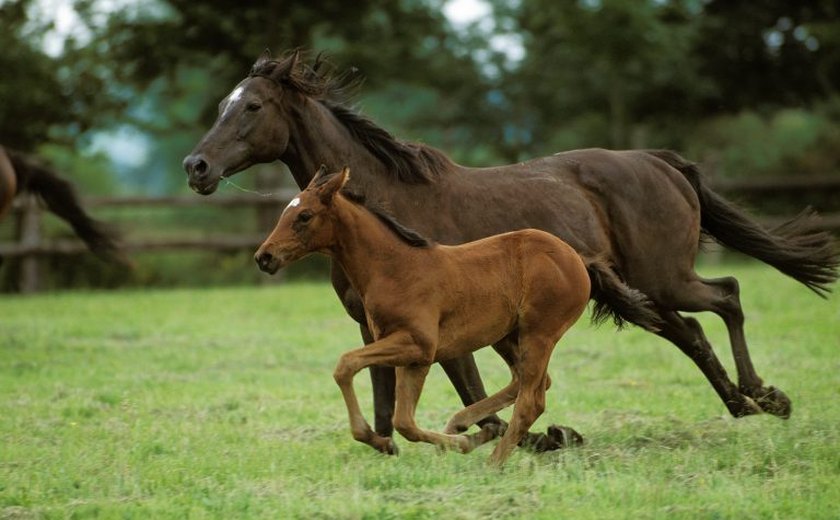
387,446
555,438
773,401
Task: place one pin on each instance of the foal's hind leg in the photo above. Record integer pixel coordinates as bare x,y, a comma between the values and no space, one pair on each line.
530,400
556,436
461,421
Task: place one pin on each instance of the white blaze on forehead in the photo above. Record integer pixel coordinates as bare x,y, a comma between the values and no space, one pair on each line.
234,96
294,203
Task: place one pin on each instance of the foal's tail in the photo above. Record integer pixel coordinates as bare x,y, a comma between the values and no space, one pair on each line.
61,199
615,299
795,248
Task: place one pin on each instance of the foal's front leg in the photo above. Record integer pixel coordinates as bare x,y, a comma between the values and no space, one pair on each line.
395,349
410,381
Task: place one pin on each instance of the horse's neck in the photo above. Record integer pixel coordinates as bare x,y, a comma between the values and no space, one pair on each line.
365,248
317,137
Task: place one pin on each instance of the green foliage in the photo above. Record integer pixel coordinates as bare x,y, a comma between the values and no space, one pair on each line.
33,98
788,142
220,403
617,73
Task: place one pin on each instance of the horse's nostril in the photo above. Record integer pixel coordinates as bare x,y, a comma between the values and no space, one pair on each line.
195,165
200,167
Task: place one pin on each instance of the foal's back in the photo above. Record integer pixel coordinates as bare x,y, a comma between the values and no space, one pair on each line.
492,287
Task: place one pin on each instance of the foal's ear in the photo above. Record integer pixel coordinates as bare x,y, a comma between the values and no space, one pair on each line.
333,185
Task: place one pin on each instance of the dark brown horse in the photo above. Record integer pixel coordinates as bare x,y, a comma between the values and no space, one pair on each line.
22,174
639,213
426,303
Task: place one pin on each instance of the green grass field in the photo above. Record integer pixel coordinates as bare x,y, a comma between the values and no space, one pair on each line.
220,403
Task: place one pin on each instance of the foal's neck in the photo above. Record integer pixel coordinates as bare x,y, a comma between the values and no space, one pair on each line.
366,248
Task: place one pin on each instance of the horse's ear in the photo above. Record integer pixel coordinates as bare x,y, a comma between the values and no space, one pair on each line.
322,171
287,67
264,58
333,185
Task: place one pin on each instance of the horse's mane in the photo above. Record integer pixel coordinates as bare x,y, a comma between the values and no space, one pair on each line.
407,235
412,163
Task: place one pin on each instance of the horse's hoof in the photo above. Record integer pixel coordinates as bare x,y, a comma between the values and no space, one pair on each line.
555,438
564,436
773,401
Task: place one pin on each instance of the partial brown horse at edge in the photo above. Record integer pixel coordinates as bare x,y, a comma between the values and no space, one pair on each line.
426,302
20,173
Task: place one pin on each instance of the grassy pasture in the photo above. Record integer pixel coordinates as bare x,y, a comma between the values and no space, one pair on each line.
219,403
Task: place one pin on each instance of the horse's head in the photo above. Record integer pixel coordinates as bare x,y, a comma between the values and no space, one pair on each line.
306,225
252,126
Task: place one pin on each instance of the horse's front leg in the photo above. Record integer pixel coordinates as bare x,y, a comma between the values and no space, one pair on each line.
395,349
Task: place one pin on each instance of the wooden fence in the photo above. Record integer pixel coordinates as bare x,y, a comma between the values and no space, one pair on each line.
32,243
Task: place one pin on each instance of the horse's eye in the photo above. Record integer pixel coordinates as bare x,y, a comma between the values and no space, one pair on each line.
253,106
304,217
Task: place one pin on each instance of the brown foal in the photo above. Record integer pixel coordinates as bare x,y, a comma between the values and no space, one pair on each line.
427,302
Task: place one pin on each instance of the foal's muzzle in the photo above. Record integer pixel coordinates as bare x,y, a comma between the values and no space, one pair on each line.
267,262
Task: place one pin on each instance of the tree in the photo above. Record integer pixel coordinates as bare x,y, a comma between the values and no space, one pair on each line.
626,61
769,53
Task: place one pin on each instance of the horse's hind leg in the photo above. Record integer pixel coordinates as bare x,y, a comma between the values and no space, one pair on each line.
721,296
687,334
725,302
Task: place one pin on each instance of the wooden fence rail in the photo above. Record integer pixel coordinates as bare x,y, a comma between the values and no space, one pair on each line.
32,244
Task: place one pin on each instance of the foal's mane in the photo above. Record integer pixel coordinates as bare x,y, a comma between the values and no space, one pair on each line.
407,235
412,163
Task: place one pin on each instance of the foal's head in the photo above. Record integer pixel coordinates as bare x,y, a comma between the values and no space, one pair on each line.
306,225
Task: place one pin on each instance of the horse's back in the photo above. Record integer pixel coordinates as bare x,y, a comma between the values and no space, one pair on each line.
8,182
650,211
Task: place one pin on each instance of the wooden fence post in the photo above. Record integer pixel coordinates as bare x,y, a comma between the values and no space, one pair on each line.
30,235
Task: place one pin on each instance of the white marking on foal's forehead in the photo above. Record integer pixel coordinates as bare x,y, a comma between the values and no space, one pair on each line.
294,203
233,97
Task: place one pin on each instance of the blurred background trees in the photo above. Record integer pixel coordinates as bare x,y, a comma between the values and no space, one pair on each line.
747,88
716,78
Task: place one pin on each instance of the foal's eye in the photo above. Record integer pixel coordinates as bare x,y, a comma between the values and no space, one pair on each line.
253,106
304,217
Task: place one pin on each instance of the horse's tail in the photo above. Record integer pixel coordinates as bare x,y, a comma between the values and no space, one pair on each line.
61,199
615,299
795,247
